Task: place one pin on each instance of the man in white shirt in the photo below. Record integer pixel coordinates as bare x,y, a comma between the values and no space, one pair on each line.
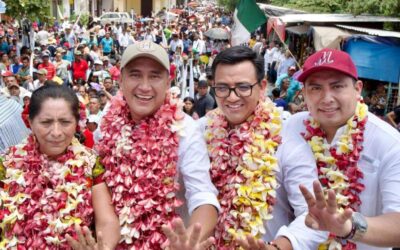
123,39
175,42
198,45
147,111
358,156
12,88
239,85
268,57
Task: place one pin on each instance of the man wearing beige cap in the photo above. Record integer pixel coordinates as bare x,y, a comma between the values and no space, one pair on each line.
39,82
147,143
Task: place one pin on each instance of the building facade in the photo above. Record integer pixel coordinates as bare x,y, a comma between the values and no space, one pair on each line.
67,8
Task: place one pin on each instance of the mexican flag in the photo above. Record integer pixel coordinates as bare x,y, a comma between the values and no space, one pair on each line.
247,18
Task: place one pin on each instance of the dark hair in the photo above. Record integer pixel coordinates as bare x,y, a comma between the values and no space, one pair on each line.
240,54
23,58
276,92
190,99
52,91
107,78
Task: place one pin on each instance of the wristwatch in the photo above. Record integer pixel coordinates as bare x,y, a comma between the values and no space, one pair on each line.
360,226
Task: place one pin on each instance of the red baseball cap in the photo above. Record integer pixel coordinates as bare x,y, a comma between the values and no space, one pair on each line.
328,59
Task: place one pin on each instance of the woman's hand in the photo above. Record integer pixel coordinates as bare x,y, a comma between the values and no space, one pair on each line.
86,241
181,238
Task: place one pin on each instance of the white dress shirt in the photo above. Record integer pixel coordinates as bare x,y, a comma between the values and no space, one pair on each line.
379,162
194,170
290,208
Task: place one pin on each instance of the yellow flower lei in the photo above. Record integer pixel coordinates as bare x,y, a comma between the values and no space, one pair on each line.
243,168
337,167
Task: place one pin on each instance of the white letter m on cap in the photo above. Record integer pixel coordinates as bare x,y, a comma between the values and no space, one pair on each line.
325,59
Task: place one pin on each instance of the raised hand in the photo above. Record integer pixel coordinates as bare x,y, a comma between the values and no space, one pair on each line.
180,238
86,241
250,243
323,214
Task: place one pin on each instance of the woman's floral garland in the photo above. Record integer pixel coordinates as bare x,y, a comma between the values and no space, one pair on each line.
43,200
141,161
337,166
243,168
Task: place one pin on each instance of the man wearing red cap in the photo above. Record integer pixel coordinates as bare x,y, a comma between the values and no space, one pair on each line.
357,157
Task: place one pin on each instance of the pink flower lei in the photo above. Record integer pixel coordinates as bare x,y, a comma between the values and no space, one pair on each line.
141,161
243,169
337,166
42,199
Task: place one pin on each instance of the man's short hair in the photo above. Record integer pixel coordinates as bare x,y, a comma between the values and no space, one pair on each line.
276,92
238,54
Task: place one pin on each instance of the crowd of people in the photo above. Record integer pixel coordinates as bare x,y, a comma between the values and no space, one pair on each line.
154,135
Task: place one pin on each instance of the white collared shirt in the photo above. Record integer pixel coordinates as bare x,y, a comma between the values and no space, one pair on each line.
194,171
379,162
290,208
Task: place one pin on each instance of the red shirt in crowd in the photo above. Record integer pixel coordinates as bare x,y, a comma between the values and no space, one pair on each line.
51,70
79,68
172,71
115,73
89,140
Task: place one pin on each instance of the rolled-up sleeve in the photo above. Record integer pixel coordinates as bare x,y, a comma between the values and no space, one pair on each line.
194,166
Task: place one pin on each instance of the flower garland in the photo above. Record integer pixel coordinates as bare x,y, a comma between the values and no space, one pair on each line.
337,166
141,161
42,200
243,168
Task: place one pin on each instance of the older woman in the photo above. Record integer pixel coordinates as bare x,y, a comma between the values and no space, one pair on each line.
52,185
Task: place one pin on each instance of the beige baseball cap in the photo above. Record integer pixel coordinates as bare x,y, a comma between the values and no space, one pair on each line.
145,49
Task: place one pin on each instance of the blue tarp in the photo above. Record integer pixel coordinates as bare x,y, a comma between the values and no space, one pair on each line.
376,58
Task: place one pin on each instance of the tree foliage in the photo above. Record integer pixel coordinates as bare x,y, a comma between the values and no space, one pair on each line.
31,9
355,7
228,4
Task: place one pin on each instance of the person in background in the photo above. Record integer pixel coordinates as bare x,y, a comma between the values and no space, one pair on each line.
294,85
39,82
203,100
379,101
115,70
12,127
278,100
79,67
393,117
91,125
47,65
23,74
16,65
189,108
108,44
62,68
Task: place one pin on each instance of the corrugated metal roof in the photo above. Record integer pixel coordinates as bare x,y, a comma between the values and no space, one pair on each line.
272,10
373,32
335,18
299,30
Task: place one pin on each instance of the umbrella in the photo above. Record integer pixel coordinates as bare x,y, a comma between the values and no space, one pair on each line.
177,11
217,33
193,4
